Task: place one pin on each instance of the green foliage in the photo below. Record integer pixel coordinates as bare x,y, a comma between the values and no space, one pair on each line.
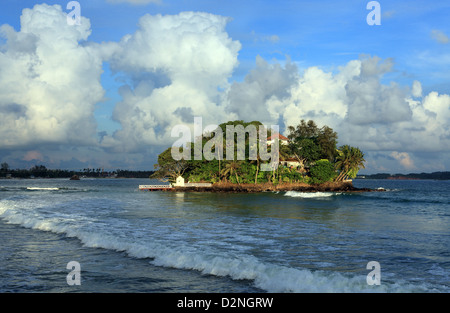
309,143
306,149
313,147
349,161
327,140
322,171
169,168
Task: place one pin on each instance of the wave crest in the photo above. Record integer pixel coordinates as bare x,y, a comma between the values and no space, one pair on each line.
298,194
208,261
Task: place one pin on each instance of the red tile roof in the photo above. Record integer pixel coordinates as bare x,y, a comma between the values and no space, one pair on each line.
279,136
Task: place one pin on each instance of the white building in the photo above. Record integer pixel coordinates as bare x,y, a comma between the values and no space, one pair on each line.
179,182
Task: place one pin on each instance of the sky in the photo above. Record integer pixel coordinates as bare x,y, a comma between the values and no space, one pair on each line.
106,91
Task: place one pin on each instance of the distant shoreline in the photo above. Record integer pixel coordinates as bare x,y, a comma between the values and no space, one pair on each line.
411,176
126,174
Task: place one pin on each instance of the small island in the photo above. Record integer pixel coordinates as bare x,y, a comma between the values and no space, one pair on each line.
308,160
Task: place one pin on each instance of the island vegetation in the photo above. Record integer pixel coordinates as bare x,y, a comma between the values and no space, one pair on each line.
308,155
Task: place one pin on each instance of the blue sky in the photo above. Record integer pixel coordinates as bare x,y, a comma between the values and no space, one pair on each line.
304,46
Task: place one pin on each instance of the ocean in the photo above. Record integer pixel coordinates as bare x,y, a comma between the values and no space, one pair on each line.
129,241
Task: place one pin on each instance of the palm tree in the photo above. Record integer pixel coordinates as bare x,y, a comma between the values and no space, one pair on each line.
349,161
232,168
342,161
227,171
257,161
357,162
283,155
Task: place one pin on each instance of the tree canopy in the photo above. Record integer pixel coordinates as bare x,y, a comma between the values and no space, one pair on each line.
349,161
310,156
310,143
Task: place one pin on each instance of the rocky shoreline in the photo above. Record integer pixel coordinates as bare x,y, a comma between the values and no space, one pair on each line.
253,188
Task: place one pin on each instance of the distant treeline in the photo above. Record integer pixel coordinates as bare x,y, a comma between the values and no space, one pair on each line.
40,171
133,174
435,175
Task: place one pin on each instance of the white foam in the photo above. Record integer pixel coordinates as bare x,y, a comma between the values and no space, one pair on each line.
298,194
267,276
42,188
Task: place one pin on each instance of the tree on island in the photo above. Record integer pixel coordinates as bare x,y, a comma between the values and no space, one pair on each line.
348,162
231,168
4,167
169,168
309,143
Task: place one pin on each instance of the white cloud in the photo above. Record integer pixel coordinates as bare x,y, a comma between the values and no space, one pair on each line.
417,89
319,96
439,36
438,105
369,101
404,159
49,83
177,64
365,111
253,99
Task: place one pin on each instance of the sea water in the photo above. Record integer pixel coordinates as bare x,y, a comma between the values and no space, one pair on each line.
126,240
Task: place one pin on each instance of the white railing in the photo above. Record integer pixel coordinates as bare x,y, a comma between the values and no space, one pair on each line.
198,185
155,186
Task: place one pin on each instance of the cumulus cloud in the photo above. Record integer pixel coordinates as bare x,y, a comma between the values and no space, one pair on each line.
49,81
364,110
250,99
175,67
318,95
404,159
186,59
369,101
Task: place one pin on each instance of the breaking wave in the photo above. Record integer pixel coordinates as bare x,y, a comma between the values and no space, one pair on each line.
160,252
42,188
298,194
32,188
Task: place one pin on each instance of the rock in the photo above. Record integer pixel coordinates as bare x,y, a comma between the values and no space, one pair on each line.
264,187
